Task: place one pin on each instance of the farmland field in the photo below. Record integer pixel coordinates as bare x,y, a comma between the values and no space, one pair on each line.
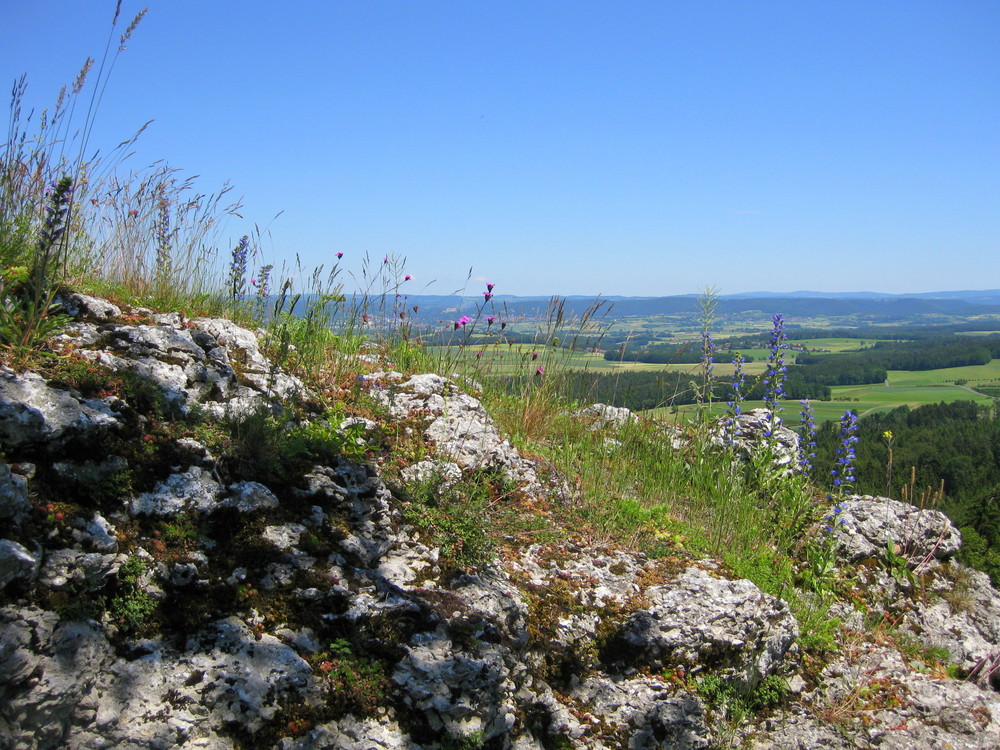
834,345
909,388
516,359
862,403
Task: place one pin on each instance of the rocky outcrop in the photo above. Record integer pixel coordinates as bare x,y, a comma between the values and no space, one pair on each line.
865,525
207,362
752,434
455,421
159,594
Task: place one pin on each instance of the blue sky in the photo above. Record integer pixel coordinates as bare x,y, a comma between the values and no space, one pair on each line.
641,148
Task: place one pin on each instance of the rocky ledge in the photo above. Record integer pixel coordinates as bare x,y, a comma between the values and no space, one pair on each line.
162,589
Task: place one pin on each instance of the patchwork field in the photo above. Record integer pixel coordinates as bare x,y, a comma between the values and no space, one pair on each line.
901,388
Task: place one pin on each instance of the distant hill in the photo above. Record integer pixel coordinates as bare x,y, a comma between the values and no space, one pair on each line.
873,307
985,296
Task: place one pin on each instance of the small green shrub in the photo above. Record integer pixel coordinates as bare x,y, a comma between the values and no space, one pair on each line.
456,518
355,682
131,606
275,444
473,741
724,695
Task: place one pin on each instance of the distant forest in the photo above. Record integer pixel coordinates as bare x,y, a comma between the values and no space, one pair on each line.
812,374
871,365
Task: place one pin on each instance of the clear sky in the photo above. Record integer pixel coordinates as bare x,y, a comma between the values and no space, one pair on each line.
570,147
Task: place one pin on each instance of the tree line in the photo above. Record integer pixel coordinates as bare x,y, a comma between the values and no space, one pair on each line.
872,365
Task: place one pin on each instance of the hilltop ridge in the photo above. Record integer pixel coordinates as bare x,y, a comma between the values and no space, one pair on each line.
204,550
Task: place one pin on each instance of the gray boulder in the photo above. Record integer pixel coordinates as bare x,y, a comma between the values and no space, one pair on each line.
14,503
67,569
705,623
605,417
191,490
749,434
16,562
32,413
458,424
866,524
654,715
85,307
963,618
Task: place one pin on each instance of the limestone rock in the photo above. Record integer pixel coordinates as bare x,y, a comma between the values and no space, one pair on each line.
448,472
702,622
350,733
249,496
604,417
193,490
656,715
866,524
13,495
32,413
16,562
85,307
749,435
458,424
68,569
98,534
964,618
460,694
885,704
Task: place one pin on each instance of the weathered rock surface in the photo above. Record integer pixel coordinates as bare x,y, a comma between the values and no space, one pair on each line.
699,621
866,525
32,412
752,431
306,615
604,417
13,495
457,423
16,562
210,362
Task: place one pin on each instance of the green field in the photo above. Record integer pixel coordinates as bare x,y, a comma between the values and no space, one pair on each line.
834,345
860,399
902,387
988,374
905,388
517,359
